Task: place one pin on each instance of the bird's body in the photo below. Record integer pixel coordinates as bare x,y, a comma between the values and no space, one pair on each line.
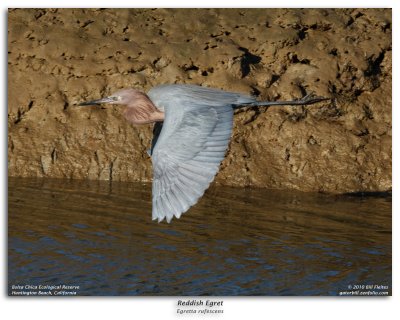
195,135
193,125
176,95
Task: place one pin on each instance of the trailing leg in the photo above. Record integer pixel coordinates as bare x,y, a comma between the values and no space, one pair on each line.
306,100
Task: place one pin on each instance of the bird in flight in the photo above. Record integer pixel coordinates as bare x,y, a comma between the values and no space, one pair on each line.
192,130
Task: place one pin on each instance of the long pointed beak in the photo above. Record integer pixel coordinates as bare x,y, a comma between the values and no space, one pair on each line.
97,102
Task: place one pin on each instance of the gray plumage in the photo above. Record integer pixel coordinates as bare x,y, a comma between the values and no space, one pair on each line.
190,143
196,133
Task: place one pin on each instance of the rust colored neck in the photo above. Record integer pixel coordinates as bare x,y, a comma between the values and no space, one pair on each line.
142,110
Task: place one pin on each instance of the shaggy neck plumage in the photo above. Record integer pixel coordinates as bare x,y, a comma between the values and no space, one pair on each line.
142,110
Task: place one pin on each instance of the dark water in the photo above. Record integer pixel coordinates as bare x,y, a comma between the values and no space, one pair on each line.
233,242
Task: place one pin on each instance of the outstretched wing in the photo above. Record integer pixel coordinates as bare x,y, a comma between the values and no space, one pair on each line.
187,156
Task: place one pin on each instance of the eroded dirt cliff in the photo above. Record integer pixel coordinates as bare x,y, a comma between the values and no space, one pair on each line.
59,57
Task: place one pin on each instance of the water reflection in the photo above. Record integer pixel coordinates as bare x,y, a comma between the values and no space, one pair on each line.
234,242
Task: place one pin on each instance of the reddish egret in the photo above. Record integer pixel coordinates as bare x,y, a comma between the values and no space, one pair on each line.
193,126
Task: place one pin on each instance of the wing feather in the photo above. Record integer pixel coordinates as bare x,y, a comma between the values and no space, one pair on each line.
187,155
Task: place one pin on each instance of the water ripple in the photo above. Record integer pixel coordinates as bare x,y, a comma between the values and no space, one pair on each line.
233,242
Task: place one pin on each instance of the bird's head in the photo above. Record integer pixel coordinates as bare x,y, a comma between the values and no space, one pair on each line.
140,109
124,96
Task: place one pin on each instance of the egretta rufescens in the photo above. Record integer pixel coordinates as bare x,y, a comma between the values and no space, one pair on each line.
193,126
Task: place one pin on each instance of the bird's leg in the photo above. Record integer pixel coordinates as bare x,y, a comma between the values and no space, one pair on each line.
306,100
310,99
156,133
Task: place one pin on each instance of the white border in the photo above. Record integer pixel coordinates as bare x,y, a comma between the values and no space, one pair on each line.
235,308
